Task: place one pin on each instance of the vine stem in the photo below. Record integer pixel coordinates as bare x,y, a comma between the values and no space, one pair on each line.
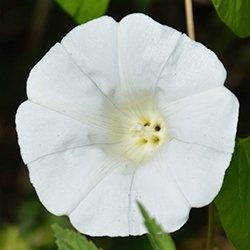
190,18
210,229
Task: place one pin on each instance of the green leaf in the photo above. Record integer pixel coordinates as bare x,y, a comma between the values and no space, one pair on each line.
235,14
70,240
10,238
233,201
158,238
84,10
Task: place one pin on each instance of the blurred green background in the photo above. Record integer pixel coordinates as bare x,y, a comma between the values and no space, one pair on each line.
28,28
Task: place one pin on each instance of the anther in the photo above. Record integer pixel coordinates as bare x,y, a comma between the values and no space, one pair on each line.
157,128
155,139
146,124
144,141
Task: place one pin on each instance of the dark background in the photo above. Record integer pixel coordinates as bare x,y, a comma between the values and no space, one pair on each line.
28,28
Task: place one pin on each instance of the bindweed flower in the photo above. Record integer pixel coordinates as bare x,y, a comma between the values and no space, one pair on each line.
125,112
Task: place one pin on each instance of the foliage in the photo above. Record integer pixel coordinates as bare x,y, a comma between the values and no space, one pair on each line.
84,10
233,202
235,13
70,240
16,238
11,239
158,238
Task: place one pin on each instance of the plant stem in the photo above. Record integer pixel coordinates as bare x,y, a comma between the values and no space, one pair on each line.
210,229
189,19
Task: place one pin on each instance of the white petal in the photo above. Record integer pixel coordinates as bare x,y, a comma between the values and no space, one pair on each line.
198,170
64,179
155,187
152,55
105,210
207,119
42,131
57,82
93,47
192,68
143,48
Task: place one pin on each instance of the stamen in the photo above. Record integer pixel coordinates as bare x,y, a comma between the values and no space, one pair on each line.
157,128
144,141
155,139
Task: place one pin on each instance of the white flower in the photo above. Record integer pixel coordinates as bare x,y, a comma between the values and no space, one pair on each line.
119,112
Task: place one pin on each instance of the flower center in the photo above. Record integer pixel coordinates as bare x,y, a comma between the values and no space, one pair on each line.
138,128
151,134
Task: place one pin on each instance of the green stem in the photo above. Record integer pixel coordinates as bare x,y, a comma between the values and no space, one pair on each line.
210,229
